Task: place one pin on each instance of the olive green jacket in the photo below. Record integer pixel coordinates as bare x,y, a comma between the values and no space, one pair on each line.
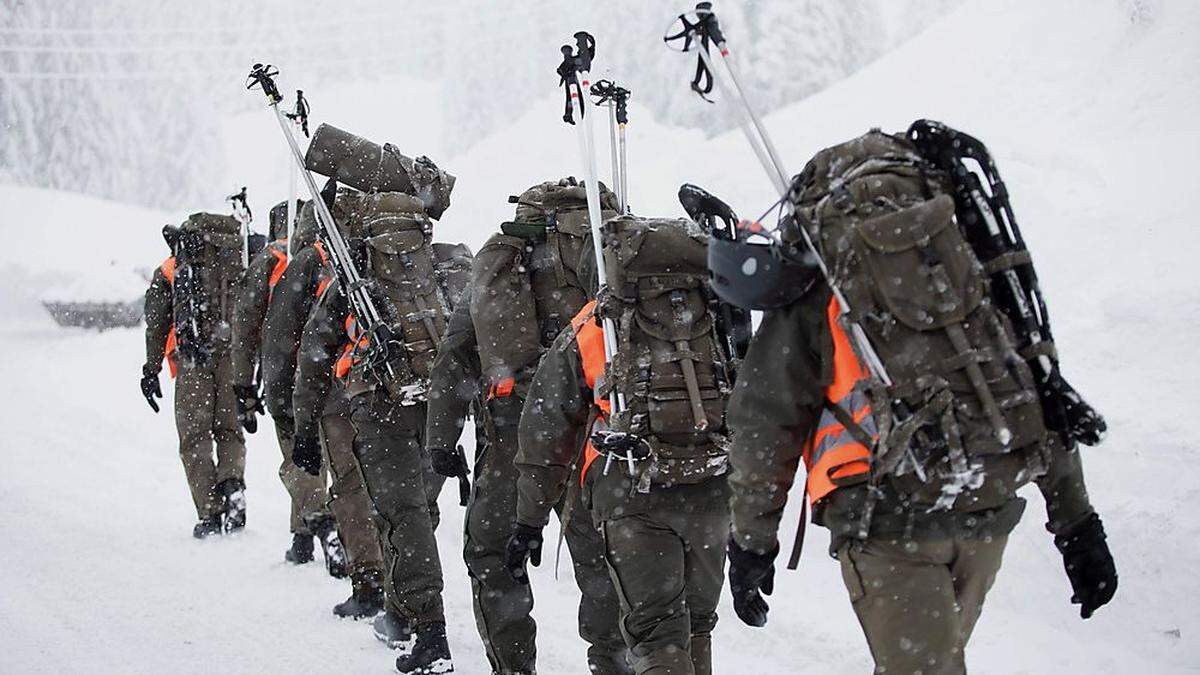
322,341
775,407
456,380
292,302
159,313
250,313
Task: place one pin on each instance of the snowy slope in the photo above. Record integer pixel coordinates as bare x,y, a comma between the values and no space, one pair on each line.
1090,117
67,245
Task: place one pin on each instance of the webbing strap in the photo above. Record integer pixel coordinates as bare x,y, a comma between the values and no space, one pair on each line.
851,426
969,357
1045,348
798,542
677,355
1007,261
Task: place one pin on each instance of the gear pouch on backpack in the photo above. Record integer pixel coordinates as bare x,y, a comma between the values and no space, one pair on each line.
923,270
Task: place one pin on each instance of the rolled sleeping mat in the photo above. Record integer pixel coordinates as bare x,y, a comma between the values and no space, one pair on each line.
370,167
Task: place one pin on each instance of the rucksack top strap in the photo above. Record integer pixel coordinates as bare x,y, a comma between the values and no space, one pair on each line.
1045,348
680,354
1007,261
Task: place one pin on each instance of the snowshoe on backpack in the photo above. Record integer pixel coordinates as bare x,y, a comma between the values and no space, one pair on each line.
985,216
301,551
207,527
431,653
234,492
961,403
324,528
366,596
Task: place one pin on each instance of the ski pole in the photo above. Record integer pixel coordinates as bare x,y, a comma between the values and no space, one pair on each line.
616,98
612,148
241,211
299,118
706,31
573,72
362,305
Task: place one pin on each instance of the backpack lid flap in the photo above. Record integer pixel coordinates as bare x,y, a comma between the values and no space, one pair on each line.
901,230
207,223
397,242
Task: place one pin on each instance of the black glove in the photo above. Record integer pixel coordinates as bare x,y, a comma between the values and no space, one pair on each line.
448,463
1073,416
306,454
453,464
1089,565
524,544
150,388
751,576
249,407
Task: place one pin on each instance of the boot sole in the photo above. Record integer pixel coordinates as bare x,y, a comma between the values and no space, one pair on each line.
438,667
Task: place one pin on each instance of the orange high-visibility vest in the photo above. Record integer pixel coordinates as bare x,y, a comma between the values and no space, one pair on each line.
281,263
168,270
589,338
502,388
341,368
832,454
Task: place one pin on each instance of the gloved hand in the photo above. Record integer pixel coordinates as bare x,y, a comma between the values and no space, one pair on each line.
150,387
249,407
1073,416
453,464
448,463
306,454
524,544
751,576
1089,565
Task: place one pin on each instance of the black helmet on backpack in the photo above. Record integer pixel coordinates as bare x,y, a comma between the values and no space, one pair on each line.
741,273
759,276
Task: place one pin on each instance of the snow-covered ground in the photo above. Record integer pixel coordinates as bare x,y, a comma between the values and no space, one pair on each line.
1091,117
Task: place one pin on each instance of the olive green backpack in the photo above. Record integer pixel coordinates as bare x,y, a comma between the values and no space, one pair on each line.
531,279
885,225
669,363
208,267
415,282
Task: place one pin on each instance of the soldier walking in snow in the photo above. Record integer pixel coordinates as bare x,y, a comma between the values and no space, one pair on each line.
417,283
895,363
651,469
188,311
307,276
310,516
525,287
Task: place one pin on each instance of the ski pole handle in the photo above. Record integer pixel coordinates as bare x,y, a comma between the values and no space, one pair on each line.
263,77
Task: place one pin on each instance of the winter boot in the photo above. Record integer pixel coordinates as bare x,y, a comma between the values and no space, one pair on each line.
430,655
366,600
393,631
207,526
234,491
324,527
301,551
